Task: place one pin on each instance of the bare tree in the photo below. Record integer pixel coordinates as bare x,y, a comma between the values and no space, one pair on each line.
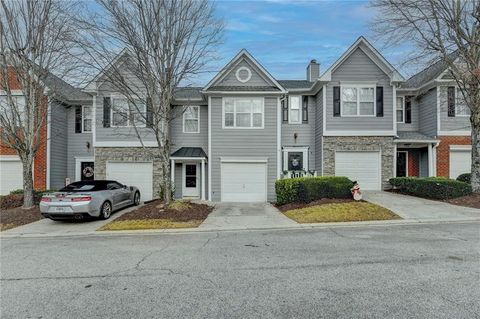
165,42
35,40
446,30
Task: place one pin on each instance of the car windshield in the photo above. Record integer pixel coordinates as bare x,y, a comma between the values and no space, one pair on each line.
85,186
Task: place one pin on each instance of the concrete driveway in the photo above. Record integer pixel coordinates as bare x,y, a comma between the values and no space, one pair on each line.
246,216
59,228
416,208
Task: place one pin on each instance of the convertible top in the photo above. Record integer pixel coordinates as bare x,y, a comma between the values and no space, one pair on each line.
90,186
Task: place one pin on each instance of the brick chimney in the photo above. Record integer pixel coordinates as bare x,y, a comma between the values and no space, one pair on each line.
313,71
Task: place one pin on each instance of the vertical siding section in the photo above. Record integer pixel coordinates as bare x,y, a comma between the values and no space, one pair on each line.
77,144
457,123
427,111
58,145
305,133
358,67
244,143
181,139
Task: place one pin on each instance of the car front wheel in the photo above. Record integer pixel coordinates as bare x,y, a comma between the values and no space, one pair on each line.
106,211
136,199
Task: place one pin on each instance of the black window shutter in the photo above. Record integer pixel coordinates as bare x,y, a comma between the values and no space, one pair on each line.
107,104
305,109
149,116
336,101
379,101
285,110
408,109
451,101
78,119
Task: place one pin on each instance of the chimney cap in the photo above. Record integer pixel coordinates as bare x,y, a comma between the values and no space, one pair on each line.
313,61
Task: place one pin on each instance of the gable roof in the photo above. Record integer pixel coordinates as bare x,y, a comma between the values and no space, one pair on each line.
237,58
373,54
65,91
91,85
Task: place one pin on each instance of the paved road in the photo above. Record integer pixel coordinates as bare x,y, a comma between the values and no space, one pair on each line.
412,271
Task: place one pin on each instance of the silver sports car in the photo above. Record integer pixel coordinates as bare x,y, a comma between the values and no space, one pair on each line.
88,199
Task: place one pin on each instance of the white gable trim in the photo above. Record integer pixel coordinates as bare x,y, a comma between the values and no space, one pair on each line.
234,62
374,55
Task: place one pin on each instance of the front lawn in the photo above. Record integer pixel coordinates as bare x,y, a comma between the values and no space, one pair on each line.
335,210
180,214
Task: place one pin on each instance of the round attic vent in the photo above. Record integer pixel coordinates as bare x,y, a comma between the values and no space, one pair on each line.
243,74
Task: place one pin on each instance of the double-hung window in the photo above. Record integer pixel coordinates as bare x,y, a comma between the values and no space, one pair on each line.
461,107
295,115
127,113
15,114
400,110
358,101
191,119
87,118
243,113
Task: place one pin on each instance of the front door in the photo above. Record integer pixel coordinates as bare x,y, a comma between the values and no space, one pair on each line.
402,164
87,171
191,185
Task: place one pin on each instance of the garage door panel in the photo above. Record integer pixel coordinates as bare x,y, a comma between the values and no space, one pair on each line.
11,176
363,167
243,182
133,174
460,162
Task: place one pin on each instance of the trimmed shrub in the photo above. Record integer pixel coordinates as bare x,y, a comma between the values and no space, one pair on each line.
465,178
307,189
431,187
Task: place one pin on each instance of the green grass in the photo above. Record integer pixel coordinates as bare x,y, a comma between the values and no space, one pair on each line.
340,212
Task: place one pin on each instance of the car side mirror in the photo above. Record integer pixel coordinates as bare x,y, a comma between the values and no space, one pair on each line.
125,186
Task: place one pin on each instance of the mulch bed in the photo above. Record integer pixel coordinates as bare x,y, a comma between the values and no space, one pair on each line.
472,200
287,207
14,217
154,210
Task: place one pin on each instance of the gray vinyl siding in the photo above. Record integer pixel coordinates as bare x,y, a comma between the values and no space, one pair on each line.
128,134
411,127
319,132
457,123
256,80
181,139
244,143
427,111
305,133
77,144
359,67
58,145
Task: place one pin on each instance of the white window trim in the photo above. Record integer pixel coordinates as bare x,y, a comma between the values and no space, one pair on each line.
249,74
198,119
300,109
83,118
235,127
456,103
406,163
403,108
119,97
358,86
296,149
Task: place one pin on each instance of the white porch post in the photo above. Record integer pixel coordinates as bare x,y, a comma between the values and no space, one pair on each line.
430,160
203,179
172,171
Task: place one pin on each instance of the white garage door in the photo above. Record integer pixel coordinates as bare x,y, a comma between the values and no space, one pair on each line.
133,174
460,162
11,176
244,182
363,167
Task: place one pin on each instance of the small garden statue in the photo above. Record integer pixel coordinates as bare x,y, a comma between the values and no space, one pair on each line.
357,194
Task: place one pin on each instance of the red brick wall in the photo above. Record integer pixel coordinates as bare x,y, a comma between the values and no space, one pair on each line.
413,164
443,152
40,162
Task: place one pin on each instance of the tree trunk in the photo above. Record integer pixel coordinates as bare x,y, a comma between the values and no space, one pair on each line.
27,164
475,179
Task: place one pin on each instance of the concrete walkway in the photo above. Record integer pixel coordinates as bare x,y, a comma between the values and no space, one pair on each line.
415,208
230,216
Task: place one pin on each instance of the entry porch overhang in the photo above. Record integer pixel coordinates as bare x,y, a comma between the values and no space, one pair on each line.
417,141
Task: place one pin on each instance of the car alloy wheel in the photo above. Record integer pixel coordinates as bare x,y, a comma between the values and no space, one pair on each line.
136,199
106,210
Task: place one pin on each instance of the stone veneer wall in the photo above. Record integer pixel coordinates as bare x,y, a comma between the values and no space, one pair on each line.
360,143
128,154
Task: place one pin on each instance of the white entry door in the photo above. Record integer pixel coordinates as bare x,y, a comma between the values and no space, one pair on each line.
460,162
139,175
191,180
363,167
244,182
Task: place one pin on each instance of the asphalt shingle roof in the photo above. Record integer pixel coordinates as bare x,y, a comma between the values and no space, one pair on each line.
189,152
65,90
244,88
295,84
185,93
416,136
